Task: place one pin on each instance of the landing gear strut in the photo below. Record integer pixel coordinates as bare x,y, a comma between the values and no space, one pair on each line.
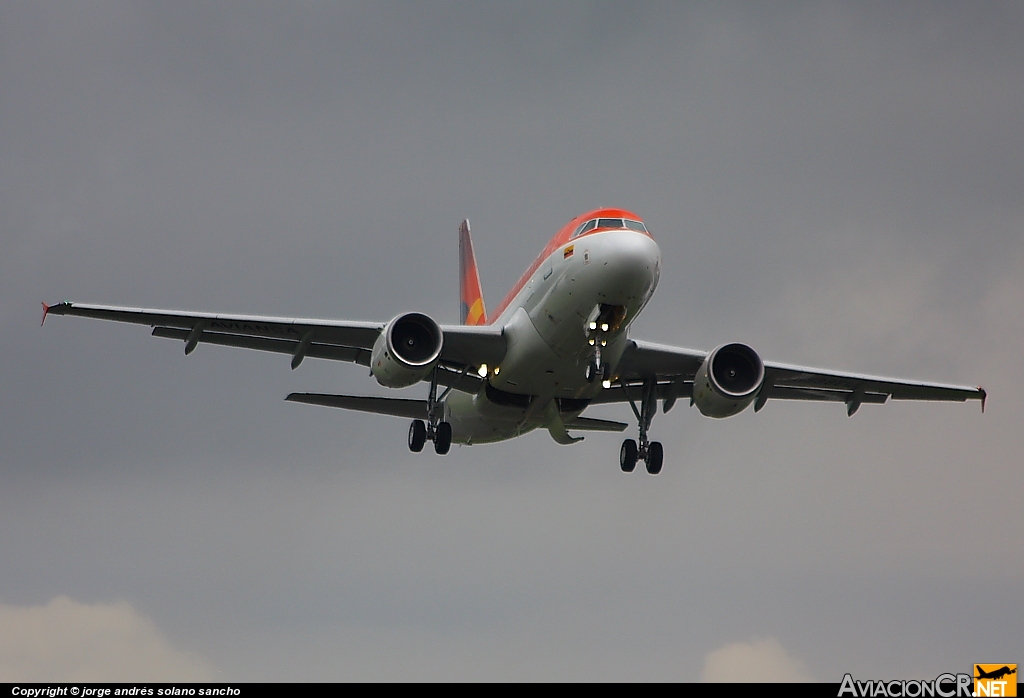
596,369
650,452
603,320
439,432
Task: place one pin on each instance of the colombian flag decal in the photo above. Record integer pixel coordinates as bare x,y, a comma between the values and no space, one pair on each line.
568,251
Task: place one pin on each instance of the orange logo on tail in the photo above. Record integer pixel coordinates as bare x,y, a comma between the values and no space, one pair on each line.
472,298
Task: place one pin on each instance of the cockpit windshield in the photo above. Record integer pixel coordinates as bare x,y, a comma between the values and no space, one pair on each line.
609,223
589,225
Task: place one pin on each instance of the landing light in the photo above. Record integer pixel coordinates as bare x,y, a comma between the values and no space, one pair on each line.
482,370
593,325
591,342
606,384
497,369
604,327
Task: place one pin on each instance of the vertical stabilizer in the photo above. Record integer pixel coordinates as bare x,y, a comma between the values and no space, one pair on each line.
470,294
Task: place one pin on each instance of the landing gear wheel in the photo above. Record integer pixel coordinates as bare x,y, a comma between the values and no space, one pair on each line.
627,456
442,438
655,455
592,372
417,435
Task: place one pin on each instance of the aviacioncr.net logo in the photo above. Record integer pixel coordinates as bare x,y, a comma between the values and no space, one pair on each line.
943,686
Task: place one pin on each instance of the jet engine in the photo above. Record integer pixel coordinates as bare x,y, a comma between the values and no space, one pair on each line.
728,380
406,351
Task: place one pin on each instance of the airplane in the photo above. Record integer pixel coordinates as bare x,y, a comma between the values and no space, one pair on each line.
557,344
995,674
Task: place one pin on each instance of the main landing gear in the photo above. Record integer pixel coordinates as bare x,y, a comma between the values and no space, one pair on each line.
420,432
650,452
432,430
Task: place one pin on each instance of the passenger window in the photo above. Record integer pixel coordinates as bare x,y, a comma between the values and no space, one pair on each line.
609,223
589,225
636,225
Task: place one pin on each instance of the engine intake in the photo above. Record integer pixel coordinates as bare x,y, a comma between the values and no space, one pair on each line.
406,351
728,380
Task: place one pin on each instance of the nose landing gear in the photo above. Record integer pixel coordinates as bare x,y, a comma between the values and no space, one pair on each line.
440,432
603,320
650,452
596,368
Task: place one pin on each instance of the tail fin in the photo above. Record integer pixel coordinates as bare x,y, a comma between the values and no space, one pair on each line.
472,297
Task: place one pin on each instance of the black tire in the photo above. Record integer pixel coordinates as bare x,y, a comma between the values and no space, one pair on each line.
417,435
655,456
591,373
606,372
627,456
442,438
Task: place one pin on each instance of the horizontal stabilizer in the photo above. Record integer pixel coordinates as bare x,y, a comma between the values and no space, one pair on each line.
590,424
396,407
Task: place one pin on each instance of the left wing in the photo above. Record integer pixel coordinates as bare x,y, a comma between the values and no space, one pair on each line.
788,382
337,340
673,369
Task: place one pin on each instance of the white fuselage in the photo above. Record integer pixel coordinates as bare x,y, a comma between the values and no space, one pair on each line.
548,335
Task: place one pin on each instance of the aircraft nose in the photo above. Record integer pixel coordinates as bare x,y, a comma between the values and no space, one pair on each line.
629,263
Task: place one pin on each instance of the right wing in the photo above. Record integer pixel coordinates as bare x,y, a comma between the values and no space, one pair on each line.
339,340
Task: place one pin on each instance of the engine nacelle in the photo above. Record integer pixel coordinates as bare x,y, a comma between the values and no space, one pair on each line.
728,380
406,351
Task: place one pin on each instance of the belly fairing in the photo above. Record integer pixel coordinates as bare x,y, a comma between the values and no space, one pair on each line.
477,420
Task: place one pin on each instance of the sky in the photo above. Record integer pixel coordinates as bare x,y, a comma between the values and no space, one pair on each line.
837,185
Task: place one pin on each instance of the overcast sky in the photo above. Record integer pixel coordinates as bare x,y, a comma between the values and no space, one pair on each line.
836,185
